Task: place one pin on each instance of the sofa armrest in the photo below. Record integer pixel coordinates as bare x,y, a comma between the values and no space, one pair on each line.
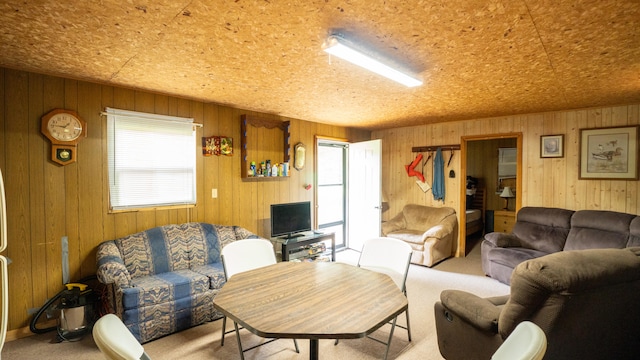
479,312
443,229
242,233
111,268
499,239
396,223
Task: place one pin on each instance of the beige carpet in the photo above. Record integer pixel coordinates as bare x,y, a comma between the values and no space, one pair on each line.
203,342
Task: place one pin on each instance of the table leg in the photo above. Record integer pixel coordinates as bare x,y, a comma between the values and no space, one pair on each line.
313,349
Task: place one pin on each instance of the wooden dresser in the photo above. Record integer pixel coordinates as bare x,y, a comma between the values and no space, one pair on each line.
503,220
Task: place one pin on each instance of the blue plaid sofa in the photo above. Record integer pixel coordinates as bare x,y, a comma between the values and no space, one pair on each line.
163,280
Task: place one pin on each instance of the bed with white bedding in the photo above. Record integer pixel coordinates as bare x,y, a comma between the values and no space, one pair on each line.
475,212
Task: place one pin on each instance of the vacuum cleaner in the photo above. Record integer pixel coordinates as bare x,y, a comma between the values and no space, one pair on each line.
76,305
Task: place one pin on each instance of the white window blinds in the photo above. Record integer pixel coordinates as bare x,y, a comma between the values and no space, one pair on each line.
151,160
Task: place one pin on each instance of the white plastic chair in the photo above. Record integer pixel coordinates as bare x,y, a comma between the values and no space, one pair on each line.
392,257
115,341
526,342
240,256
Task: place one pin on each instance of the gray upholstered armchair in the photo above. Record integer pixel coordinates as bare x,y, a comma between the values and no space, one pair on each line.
430,231
586,302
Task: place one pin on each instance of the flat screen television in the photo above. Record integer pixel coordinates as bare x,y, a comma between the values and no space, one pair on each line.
290,219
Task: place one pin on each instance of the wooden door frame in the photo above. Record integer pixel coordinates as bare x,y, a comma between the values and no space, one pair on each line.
462,238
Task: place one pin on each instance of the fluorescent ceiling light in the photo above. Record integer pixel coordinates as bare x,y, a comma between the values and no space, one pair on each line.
336,45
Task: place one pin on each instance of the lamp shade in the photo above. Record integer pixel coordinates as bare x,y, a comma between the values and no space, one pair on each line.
507,193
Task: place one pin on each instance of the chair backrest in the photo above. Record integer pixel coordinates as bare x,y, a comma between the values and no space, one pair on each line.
586,302
593,229
420,217
526,342
115,341
248,254
387,255
543,229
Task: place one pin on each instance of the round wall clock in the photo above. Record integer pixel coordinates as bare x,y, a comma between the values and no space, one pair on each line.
64,128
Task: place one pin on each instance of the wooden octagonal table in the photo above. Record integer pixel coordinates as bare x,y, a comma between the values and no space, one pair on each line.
305,300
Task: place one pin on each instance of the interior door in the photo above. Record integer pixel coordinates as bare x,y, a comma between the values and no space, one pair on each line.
364,192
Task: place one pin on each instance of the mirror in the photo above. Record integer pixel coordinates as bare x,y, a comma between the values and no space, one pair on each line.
299,152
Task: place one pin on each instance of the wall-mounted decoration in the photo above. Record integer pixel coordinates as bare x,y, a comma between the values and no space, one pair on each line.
609,153
299,153
552,146
217,145
226,146
64,128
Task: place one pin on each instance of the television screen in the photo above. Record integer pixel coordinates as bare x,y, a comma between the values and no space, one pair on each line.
290,218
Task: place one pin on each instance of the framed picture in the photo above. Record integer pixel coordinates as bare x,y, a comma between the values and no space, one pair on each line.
552,146
609,153
208,145
226,146
217,145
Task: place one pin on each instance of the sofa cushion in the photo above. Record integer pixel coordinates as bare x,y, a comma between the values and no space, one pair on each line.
500,262
164,287
411,236
215,273
154,251
418,219
204,243
593,229
543,229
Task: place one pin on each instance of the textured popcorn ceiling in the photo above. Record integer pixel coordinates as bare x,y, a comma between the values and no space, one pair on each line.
477,58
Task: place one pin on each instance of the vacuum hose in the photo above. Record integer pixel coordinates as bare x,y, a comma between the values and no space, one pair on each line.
74,295
42,310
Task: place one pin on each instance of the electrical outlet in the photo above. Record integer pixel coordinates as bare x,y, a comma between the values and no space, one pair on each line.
214,193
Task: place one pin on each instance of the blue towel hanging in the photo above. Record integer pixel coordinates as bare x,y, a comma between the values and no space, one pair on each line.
438,176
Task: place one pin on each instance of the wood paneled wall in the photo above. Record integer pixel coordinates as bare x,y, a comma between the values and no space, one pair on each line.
46,201
551,182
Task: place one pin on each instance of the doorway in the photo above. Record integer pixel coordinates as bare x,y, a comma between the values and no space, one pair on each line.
348,190
331,188
483,150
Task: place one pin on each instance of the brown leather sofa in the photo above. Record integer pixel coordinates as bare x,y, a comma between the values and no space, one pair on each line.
431,232
586,302
540,231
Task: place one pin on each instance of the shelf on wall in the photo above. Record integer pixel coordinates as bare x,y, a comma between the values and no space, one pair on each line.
258,122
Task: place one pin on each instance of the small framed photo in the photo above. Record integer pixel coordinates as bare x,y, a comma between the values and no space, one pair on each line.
217,145
609,153
209,145
552,146
226,146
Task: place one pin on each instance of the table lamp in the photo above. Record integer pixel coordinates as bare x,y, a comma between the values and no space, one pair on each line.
507,194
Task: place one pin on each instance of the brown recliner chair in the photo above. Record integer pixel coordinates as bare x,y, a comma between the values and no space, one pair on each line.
430,231
586,302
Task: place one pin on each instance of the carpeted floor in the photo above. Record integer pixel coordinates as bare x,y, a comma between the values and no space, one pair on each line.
203,342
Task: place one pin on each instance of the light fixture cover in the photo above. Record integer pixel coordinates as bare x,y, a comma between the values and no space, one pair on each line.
338,46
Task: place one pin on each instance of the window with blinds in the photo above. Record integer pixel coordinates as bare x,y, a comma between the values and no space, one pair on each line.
151,160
